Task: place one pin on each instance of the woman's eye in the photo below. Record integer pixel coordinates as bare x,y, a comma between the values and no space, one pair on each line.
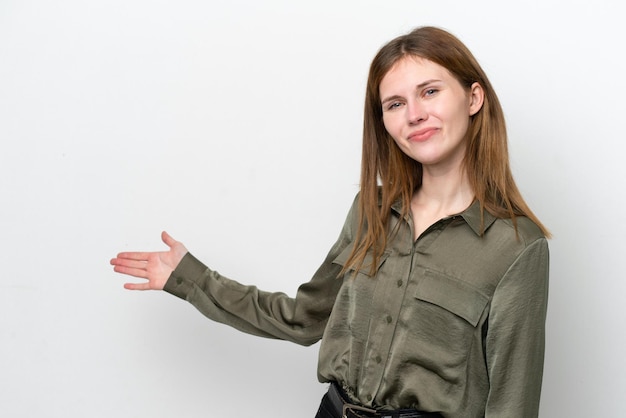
394,105
430,92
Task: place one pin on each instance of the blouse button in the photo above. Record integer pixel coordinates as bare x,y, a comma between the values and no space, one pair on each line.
389,319
378,359
369,397
400,283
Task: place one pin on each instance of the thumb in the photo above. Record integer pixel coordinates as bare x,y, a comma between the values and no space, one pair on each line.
167,239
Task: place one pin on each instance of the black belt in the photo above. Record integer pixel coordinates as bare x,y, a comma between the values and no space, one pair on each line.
341,402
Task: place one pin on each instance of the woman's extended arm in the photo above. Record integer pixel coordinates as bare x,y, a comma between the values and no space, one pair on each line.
245,307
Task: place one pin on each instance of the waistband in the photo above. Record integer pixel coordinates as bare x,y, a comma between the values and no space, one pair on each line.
341,402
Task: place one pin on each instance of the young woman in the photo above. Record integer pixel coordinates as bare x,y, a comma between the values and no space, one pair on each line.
432,302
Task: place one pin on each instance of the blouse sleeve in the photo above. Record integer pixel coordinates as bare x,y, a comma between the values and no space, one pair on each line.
273,315
515,337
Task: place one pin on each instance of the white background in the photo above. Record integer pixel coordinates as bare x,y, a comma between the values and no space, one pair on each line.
236,127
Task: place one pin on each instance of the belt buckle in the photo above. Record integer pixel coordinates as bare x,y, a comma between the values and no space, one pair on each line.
356,409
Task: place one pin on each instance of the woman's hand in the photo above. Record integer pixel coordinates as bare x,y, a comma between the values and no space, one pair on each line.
155,267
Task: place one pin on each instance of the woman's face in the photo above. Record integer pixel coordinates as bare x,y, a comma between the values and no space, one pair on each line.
427,111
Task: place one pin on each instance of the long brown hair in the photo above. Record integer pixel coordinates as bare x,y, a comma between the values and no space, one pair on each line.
389,175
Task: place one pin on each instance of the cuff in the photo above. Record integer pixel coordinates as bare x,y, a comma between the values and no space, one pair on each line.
186,276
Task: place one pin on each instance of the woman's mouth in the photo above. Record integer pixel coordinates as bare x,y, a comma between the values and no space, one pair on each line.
422,135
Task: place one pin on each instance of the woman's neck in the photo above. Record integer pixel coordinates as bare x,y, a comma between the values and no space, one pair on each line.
449,190
441,194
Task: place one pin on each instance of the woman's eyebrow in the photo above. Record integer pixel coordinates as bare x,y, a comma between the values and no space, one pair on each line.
391,99
418,87
427,82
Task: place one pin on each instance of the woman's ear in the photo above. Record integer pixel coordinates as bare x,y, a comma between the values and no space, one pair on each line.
476,97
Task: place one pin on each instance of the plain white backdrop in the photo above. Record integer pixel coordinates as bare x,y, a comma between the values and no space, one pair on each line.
236,127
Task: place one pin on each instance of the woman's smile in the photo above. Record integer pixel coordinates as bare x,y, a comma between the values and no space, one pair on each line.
422,134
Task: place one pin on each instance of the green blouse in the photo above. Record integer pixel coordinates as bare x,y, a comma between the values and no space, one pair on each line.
452,322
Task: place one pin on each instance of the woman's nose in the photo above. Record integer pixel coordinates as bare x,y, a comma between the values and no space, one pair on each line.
416,113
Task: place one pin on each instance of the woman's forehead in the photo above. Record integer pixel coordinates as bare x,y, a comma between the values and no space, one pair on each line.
412,68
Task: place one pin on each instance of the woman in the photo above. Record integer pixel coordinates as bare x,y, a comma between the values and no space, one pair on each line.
432,302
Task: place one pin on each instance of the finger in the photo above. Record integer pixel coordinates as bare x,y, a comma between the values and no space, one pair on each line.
167,239
140,256
137,286
130,271
127,262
